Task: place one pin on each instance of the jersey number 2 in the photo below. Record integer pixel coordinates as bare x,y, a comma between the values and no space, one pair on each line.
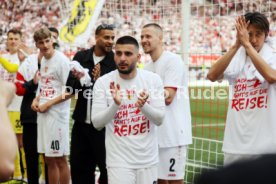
172,161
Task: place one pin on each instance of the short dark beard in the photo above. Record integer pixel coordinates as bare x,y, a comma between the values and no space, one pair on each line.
125,71
104,49
132,67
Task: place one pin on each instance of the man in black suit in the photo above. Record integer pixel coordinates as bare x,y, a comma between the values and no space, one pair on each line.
87,143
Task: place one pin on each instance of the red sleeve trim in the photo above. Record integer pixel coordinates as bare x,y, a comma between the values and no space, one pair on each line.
174,88
20,90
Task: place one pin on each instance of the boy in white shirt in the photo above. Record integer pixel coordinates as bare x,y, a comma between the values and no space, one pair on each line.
53,114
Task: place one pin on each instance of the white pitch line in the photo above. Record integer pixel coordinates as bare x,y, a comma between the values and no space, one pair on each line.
209,125
202,166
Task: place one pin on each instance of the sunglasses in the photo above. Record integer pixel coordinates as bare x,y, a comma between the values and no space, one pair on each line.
103,27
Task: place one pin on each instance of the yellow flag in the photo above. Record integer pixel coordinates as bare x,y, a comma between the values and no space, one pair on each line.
78,27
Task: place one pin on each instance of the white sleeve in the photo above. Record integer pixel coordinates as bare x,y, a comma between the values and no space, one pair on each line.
23,66
174,73
273,63
155,111
64,70
235,66
273,66
102,114
155,115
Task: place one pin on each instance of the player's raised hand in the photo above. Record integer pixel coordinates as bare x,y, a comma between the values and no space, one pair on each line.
237,43
96,72
142,99
242,32
23,51
36,77
115,92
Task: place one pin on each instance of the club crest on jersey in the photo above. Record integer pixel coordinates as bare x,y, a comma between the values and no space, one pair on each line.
46,69
130,94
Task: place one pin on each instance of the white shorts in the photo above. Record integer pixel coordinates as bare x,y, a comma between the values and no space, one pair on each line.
132,176
172,163
230,158
52,136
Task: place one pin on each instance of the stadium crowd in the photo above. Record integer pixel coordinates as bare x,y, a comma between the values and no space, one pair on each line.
211,19
27,15
210,33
